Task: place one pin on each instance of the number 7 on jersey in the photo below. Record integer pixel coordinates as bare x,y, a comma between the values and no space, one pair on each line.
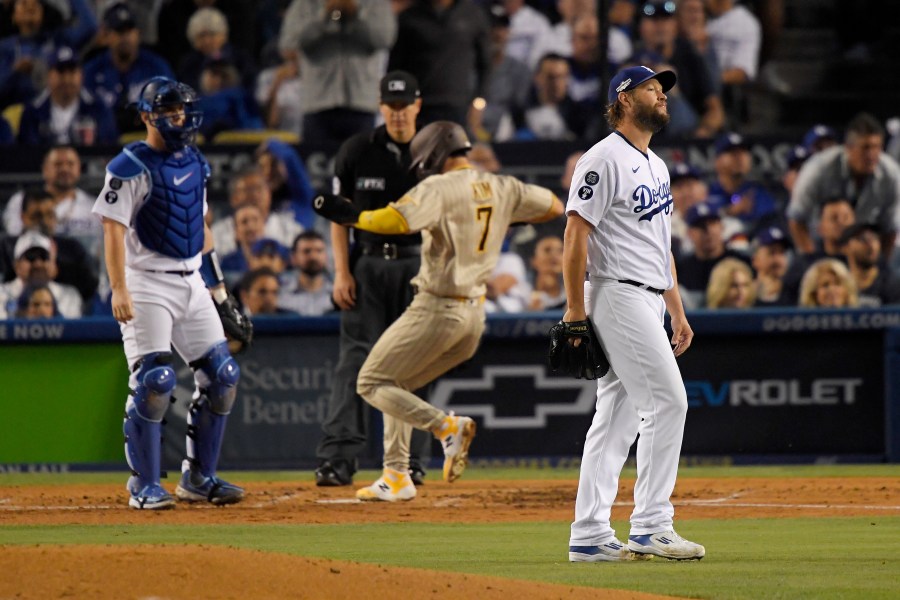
486,212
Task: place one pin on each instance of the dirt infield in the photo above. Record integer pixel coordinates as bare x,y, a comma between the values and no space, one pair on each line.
464,501
106,572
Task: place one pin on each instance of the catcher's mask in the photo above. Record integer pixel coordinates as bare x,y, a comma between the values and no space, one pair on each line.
161,93
434,144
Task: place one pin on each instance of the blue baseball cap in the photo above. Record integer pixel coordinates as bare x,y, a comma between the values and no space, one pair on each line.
730,141
700,213
631,77
818,133
683,171
119,17
796,157
62,58
268,246
770,236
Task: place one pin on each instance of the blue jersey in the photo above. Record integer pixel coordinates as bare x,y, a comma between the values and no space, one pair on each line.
168,216
115,88
92,124
763,202
17,86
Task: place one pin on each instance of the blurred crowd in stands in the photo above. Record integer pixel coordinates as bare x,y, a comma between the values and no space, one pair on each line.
508,70
275,73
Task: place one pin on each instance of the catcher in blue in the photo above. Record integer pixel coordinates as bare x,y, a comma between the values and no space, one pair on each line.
619,233
160,261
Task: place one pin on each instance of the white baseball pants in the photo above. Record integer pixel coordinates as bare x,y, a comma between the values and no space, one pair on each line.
643,393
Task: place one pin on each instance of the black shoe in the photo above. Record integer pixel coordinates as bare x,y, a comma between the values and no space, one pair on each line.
417,474
334,474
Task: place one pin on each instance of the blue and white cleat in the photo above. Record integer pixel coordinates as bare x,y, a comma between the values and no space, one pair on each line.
150,497
613,550
194,487
666,544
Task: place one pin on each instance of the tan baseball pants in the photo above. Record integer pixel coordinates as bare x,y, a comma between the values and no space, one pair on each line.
431,337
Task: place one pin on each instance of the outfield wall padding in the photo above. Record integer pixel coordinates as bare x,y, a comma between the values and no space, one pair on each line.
779,384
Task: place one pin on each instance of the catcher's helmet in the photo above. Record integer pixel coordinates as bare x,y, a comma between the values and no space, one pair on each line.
434,144
160,93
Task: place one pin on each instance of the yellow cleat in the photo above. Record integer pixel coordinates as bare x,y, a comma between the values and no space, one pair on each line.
390,487
456,435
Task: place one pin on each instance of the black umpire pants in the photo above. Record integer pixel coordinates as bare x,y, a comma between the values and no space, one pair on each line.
383,292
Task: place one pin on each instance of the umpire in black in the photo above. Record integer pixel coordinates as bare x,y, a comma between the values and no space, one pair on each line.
372,274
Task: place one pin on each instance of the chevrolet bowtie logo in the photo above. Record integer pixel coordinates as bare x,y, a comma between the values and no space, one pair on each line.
583,395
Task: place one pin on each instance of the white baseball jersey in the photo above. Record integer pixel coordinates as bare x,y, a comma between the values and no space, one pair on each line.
120,200
625,194
736,37
73,215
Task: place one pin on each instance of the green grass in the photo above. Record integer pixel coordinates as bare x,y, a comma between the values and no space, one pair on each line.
476,472
747,558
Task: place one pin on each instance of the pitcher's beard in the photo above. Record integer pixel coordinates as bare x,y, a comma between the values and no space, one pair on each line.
647,117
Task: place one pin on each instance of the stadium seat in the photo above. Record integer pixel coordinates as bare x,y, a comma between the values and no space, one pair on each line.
255,136
13,116
132,136
137,136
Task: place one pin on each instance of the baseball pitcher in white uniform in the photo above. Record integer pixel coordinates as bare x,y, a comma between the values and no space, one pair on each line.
618,233
160,261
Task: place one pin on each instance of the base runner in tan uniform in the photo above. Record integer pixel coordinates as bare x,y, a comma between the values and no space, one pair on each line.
463,215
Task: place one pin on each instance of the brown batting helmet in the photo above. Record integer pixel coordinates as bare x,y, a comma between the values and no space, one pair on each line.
434,144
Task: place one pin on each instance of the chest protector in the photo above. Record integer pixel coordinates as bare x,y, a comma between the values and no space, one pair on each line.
170,221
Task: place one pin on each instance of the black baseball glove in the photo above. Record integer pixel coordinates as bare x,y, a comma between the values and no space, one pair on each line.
336,208
238,328
584,361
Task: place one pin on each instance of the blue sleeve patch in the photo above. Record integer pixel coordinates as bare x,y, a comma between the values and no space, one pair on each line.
124,166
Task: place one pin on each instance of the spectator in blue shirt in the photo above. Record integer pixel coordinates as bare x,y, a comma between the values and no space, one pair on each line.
731,192
226,105
22,55
249,228
117,76
820,137
65,113
288,180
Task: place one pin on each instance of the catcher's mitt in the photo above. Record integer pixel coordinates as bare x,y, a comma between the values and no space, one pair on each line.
584,361
237,327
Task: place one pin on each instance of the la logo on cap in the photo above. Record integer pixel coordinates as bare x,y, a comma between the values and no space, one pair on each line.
397,86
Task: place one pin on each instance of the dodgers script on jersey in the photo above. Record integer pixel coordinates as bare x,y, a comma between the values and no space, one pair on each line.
625,194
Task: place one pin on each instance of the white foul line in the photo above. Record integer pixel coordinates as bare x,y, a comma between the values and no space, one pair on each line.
723,502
